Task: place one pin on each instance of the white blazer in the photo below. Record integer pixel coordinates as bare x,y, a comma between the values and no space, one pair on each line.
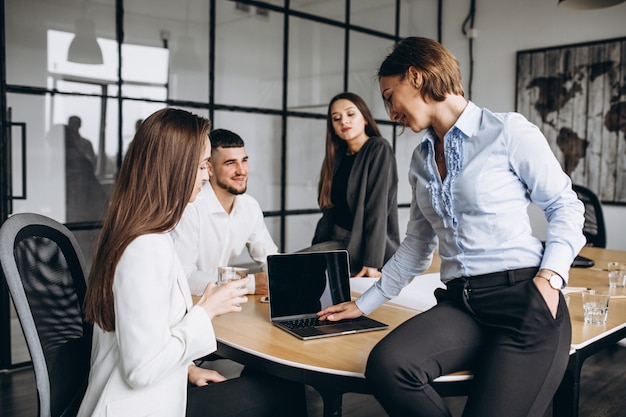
140,369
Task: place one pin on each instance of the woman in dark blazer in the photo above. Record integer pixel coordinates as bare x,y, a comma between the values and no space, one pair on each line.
358,187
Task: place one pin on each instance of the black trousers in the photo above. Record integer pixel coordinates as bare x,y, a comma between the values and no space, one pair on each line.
504,333
253,394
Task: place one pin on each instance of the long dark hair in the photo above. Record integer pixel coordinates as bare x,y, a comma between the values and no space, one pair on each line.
334,143
151,192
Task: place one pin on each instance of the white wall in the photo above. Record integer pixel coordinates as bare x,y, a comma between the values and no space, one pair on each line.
507,26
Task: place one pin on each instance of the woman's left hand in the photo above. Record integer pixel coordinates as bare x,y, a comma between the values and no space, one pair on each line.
549,294
367,271
201,377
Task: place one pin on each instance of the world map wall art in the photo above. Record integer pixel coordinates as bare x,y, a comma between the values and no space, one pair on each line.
576,94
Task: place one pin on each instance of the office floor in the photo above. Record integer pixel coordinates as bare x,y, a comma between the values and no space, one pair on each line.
601,393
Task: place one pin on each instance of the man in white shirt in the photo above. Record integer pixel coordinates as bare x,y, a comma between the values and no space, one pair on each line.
223,220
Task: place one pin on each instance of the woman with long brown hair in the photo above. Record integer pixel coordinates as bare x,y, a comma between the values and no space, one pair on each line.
358,187
147,332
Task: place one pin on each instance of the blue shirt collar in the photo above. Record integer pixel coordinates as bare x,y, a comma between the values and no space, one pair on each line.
468,123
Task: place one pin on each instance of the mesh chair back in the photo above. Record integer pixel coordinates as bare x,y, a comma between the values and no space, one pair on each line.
593,228
45,273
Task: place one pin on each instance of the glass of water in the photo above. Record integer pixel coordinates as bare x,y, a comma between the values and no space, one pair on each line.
226,274
595,306
616,274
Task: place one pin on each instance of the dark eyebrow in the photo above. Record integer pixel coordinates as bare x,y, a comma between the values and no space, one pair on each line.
227,161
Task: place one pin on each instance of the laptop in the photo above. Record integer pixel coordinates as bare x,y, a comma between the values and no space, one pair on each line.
301,284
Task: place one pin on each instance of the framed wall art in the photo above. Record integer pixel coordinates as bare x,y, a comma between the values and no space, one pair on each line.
576,94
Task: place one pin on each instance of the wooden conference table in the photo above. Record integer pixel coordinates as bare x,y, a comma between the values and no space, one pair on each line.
336,365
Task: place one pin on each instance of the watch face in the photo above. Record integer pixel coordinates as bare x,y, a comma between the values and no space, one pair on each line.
556,282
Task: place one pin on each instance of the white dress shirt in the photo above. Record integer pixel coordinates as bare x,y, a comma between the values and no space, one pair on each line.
207,237
140,369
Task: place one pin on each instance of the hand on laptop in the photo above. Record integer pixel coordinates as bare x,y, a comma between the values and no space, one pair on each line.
347,310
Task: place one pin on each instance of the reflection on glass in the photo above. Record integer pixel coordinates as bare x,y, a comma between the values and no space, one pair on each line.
299,231
85,197
45,175
316,67
366,54
147,92
180,30
418,18
32,50
273,226
335,9
80,118
134,113
190,64
377,15
248,57
306,142
145,64
64,150
261,135
59,67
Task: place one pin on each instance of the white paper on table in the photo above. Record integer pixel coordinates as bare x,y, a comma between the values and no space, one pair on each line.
419,294
569,290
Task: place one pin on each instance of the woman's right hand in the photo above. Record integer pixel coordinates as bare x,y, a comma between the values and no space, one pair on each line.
369,272
347,310
217,300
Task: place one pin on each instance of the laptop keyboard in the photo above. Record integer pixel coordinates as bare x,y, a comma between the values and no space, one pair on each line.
304,323
313,322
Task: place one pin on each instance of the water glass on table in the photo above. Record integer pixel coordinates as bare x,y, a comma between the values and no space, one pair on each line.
226,274
617,274
595,306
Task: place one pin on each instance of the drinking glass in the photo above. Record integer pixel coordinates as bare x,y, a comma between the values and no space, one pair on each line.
595,306
617,274
226,274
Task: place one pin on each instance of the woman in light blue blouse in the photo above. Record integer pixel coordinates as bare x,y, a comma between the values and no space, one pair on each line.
502,314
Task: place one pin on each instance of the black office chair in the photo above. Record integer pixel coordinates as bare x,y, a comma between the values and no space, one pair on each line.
45,273
593,228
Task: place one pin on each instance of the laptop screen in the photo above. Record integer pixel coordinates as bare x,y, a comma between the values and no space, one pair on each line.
307,282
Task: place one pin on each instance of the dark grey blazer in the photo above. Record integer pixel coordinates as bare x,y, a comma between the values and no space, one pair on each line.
372,199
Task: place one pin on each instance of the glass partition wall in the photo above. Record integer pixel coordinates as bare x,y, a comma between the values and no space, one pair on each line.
79,76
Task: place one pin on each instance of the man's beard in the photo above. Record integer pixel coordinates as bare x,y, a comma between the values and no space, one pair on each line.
230,188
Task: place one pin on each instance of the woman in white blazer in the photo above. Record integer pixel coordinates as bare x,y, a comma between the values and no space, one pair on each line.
147,332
